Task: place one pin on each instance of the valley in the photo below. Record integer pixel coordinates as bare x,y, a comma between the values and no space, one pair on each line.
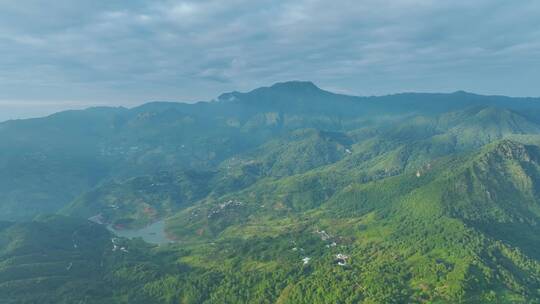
284,194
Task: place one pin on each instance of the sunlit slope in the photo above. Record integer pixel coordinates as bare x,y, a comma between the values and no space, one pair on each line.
414,237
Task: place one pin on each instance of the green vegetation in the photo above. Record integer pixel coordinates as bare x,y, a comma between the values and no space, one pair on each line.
141,200
286,194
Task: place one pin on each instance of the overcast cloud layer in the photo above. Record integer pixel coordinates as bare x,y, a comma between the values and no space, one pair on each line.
68,54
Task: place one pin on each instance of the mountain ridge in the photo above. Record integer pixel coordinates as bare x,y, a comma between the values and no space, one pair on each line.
296,85
287,194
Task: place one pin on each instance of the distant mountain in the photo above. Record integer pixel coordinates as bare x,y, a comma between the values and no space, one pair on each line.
47,162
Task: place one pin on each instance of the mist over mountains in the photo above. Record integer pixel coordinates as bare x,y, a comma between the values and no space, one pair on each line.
283,194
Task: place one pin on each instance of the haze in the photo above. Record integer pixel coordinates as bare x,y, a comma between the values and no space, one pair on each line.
75,54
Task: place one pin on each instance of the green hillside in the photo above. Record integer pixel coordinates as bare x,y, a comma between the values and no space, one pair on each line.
52,260
47,162
141,200
368,227
284,194
453,259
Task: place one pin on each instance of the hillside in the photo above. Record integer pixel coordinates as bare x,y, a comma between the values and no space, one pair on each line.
284,194
47,162
366,154
141,200
367,227
375,223
52,260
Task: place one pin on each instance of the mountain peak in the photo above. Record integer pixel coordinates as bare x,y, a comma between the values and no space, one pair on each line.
462,92
285,89
295,85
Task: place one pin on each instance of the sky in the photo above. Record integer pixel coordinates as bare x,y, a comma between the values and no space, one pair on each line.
66,54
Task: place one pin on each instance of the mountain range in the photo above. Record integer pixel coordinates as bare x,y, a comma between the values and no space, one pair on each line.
284,194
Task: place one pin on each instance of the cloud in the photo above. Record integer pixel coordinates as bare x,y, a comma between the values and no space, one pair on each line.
131,52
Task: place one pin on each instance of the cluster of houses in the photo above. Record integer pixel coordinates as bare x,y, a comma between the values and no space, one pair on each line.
424,168
325,236
223,206
193,214
117,246
340,258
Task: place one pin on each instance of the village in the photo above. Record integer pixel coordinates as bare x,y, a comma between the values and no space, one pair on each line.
340,259
117,246
223,206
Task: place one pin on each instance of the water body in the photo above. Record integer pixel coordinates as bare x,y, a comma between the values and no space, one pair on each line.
154,233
